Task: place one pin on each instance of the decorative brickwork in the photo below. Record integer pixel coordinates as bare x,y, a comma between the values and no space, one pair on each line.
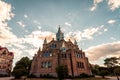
60,52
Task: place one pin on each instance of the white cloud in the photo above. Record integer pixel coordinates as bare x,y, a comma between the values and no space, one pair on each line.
36,22
36,38
67,24
86,34
5,11
112,38
20,23
114,4
105,30
95,53
93,7
25,16
111,21
96,2
5,31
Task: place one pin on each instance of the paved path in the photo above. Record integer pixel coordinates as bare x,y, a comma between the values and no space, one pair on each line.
6,78
112,78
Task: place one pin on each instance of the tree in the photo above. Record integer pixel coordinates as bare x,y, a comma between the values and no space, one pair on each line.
112,62
95,69
103,73
62,72
22,67
117,72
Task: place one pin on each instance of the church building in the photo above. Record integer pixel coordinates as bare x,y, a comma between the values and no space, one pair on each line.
60,52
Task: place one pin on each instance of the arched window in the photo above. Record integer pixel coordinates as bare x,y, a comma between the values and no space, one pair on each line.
47,54
46,64
80,64
79,55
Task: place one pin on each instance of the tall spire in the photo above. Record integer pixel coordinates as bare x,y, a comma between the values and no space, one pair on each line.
59,35
45,41
59,30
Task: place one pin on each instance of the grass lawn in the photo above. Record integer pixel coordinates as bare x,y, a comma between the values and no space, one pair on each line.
70,79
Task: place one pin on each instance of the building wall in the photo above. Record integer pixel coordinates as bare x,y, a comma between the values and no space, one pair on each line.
6,59
60,52
70,60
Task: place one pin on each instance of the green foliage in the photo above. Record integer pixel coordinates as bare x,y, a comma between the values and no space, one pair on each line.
62,72
84,75
4,75
95,69
103,73
22,67
111,62
31,76
117,71
46,76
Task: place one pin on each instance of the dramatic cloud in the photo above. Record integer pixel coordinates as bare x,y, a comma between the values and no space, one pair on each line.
114,4
104,50
20,23
86,34
96,2
111,21
5,31
67,24
36,38
5,11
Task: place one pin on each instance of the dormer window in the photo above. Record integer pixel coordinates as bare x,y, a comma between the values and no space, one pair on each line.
53,46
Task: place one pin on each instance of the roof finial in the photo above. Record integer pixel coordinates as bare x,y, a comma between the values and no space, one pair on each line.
45,41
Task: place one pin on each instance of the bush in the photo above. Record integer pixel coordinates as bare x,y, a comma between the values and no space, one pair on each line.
70,77
83,75
31,76
46,76
4,75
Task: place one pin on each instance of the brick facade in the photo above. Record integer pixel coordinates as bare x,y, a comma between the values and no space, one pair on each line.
60,52
6,59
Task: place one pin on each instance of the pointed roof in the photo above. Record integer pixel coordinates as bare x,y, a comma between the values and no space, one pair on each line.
63,45
59,29
75,42
45,41
39,50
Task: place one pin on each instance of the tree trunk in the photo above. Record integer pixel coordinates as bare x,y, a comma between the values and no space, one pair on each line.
117,76
103,76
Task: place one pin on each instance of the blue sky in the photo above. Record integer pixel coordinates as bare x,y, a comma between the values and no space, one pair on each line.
93,23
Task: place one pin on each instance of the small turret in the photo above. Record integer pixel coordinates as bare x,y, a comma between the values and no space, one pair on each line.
45,41
75,42
39,50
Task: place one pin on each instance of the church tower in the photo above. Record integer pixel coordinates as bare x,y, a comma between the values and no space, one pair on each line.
59,35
